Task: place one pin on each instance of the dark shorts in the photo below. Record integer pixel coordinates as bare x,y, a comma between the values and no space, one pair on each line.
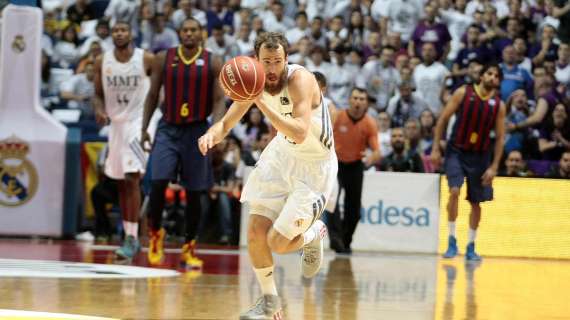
175,155
470,165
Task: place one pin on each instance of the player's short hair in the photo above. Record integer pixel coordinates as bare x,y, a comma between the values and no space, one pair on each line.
190,19
493,65
321,79
271,41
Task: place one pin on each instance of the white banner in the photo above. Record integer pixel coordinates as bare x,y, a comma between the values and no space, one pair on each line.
32,143
400,212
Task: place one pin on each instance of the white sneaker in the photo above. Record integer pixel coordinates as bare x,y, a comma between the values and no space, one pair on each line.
267,307
312,255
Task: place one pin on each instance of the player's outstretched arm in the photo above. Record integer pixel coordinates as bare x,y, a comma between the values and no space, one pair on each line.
302,86
450,108
220,129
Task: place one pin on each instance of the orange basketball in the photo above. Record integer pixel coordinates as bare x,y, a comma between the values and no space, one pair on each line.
242,78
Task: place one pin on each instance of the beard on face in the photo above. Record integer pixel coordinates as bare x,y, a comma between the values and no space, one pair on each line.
398,147
279,85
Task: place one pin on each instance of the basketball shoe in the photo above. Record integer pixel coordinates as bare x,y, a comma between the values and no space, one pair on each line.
188,256
129,249
470,254
156,246
312,255
451,248
267,307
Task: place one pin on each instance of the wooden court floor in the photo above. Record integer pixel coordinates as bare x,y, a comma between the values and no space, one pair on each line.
363,286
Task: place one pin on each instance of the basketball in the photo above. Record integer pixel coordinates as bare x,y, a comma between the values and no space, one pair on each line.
242,78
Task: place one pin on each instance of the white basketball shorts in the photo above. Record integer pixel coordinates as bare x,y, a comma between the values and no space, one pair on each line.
290,191
125,152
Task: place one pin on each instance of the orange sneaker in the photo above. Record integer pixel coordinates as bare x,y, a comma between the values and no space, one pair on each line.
156,247
188,256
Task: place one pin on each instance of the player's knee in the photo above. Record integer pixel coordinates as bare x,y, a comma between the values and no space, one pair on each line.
454,192
475,207
132,179
257,229
277,242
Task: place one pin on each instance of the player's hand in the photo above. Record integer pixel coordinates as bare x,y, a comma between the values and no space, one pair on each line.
206,142
145,141
102,118
435,158
488,176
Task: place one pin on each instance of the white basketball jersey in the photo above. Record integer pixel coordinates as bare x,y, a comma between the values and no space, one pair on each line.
125,86
319,143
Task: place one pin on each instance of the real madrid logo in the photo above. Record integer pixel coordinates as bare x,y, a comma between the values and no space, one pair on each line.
18,44
18,176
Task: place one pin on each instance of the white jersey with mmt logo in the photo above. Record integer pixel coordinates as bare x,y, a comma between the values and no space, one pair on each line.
125,86
319,142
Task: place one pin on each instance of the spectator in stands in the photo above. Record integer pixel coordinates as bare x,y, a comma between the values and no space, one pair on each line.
102,35
545,105
354,131
429,30
474,50
317,36
160,37
384,133
336,30
380,78
427,127
318,62
394,40
300,31
514,165
405,105
343,80
502,39
66,52
413,135
517,112
303,52
244,41
80,11
453,15
401,17
430,77
356,32
555,136
515,77
546,49
222,44
219,14
276,20
372,46
521,53
120,10
561,11
562,170
219,194
186,10
94,51
233,151
401,160
48,92
79,90
563,66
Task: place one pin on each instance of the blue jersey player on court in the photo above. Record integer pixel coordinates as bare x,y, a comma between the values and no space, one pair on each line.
189,75
469,154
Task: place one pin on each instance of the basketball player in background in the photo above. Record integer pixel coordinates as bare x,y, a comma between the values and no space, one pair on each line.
288,188
478,109
189,75
121,83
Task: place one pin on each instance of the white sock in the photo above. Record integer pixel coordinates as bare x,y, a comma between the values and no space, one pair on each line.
312,232
131,228
266,280
472,235
451,226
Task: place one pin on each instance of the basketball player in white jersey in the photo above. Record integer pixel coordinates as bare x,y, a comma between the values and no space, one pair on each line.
121,85
294,176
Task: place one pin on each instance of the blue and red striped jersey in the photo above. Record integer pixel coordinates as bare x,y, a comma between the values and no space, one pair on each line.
475,119
188,88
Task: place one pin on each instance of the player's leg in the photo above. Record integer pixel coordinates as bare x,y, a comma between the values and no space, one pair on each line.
455,176
164,162
354,177
268,306
192,214
130,201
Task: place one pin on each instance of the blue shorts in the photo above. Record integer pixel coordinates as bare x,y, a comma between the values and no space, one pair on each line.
470,165
175,155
